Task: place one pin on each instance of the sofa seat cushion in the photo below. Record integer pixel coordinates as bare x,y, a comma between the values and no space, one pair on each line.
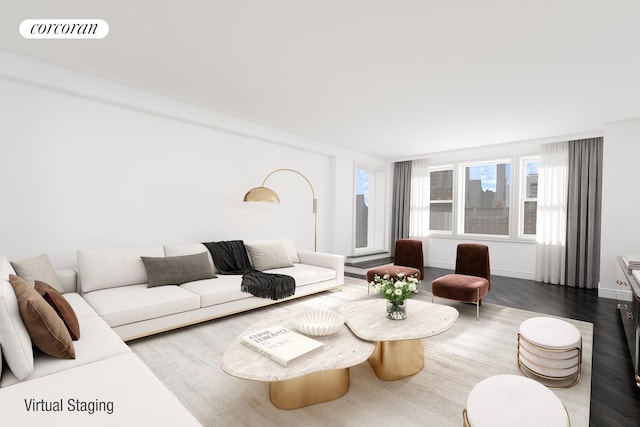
225,288
80,306
129,304
127,392
306,274
98,342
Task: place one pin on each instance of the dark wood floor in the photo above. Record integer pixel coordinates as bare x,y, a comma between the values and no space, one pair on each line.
615,399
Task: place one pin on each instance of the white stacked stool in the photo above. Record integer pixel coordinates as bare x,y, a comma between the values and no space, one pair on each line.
512,400
550,351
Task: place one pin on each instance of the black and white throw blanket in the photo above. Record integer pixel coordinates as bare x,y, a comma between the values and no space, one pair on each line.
230,257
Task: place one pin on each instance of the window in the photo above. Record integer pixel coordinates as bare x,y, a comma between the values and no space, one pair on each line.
486,198
362,208
368,208
495,198
441,200
529,196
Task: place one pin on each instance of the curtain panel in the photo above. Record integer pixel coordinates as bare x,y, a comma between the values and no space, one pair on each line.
551,222
584,205
420,198
400,210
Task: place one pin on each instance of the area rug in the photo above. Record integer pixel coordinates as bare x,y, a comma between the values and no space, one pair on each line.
187,361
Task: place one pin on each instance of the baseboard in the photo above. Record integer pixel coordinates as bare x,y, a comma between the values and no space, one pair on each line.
494,271
614,294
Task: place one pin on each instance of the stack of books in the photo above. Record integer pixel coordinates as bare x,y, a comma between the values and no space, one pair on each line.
631,261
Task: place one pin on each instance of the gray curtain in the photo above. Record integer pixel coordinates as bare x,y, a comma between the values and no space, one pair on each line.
583,213
401,202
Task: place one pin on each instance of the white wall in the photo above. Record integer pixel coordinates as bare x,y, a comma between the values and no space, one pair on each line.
620,202
88,163
509,257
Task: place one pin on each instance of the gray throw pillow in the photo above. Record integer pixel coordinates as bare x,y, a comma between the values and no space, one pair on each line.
268,255
175,270
38,268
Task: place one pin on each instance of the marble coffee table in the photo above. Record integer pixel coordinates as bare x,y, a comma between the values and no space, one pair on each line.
399,349
319,377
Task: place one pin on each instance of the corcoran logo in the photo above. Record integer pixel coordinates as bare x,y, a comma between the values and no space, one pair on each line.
64,28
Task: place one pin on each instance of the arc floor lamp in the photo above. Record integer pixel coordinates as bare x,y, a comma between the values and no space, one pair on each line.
264,194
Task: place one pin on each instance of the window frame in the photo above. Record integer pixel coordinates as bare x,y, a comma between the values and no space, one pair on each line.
440,168
376,208
462,203
522,195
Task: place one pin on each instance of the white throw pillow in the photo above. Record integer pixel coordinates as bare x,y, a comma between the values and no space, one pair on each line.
287,243
268,255
291,250
38,268
14,338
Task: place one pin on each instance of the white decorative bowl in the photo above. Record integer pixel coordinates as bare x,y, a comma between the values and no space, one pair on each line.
318,322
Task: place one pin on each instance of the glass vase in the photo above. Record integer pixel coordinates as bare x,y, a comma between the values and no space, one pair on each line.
396,310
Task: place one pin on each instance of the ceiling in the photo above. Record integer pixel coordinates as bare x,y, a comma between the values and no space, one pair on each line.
390,78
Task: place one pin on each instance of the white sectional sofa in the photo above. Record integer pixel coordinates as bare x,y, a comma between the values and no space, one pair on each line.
114,282
110,297
105,385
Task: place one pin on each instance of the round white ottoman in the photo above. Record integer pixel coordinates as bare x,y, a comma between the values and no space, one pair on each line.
550,350
512,400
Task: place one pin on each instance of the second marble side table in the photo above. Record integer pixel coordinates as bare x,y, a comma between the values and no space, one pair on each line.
399,350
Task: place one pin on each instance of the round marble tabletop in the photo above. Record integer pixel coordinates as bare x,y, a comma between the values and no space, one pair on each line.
367,319
341,350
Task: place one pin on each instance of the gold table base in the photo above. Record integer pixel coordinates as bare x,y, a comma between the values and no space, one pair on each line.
393,360
309,389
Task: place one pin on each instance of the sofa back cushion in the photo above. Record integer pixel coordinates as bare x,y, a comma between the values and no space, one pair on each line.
188,249
14,338
110,268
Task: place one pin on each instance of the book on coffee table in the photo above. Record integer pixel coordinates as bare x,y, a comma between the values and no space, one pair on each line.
281,344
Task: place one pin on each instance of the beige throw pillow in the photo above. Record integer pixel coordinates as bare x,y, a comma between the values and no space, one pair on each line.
268,255
38,268
46,329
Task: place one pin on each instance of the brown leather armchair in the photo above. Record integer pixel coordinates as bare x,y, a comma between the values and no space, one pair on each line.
472,278
408,260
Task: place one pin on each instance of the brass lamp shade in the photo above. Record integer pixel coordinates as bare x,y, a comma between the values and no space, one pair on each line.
262,195
266,195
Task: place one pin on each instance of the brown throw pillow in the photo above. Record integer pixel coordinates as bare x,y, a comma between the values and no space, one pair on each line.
61,306
46,329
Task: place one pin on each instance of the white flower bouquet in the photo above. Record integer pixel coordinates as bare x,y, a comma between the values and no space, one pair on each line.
395,288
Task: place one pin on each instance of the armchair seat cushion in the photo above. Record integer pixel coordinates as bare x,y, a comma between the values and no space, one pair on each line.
393,270
460,287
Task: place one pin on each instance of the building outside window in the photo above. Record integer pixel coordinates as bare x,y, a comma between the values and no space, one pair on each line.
369,208
487,198
362,208
441,200
529,194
